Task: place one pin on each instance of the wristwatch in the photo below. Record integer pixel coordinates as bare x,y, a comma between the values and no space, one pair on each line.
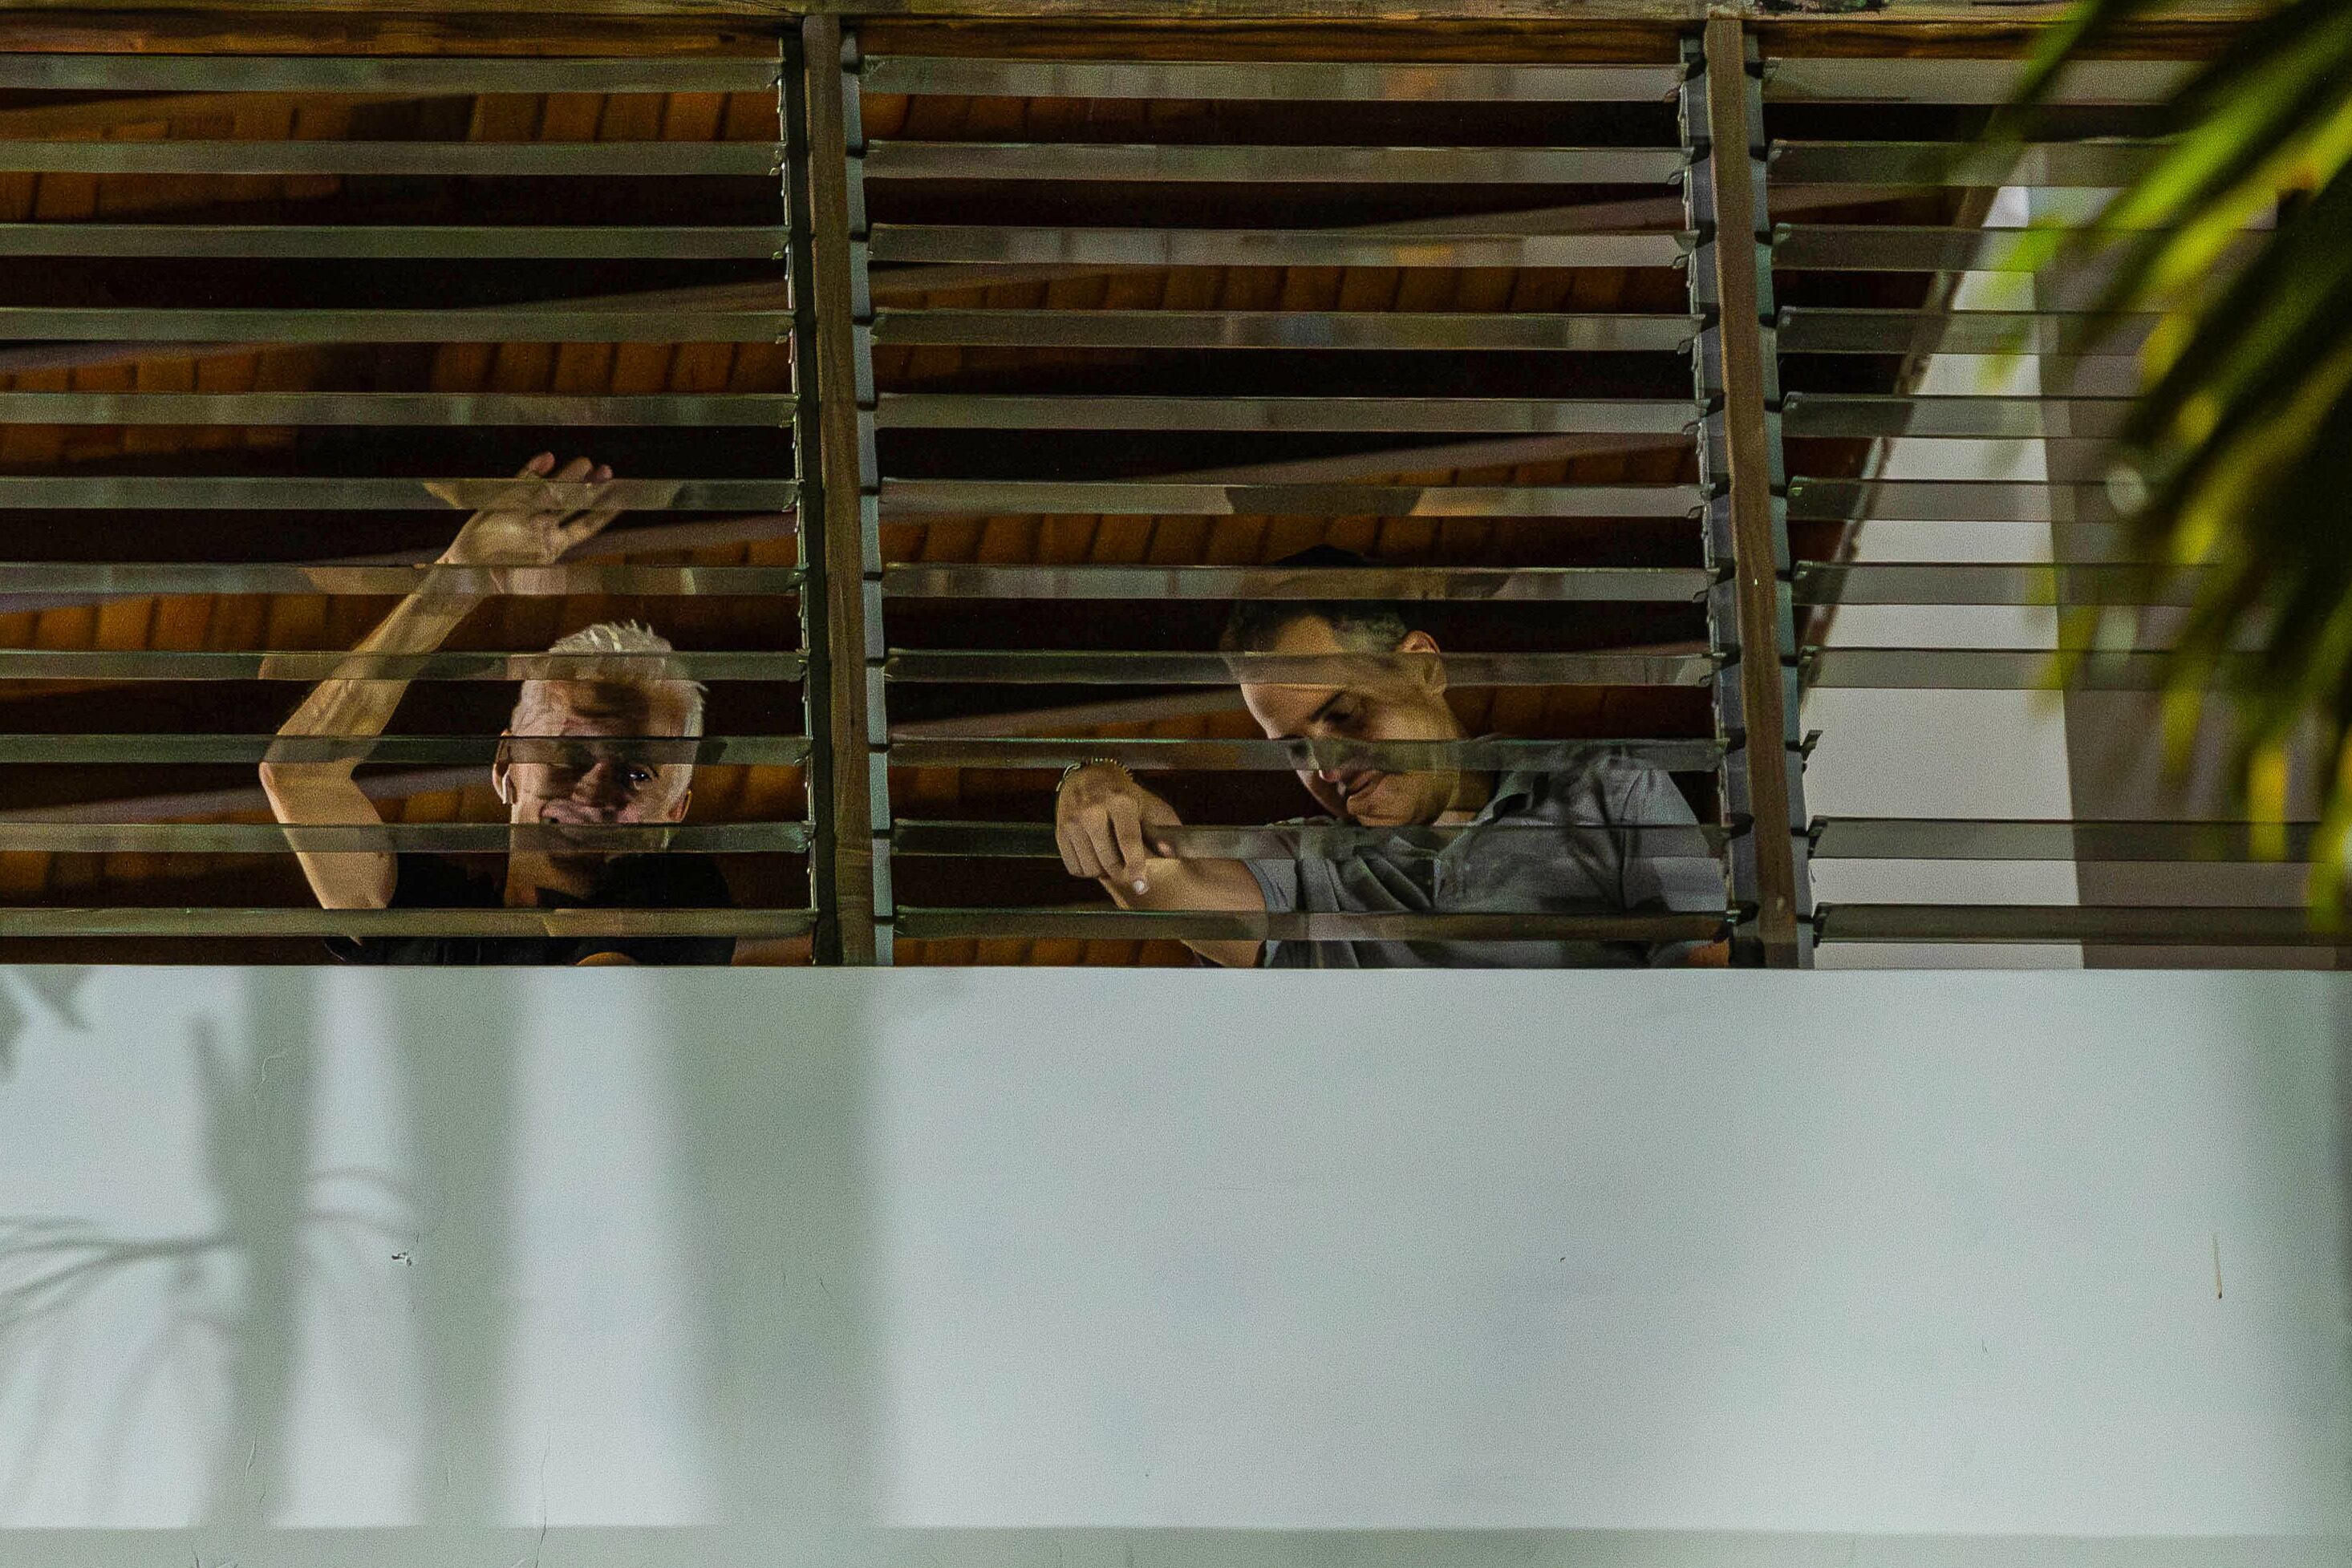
1088,762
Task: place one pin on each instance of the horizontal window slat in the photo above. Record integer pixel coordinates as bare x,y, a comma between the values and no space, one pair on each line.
316,408
398,838
1126,667
606,158
417,242
1118,162
1266,247
940,925
1497,584
1018,841
1937,81
1869,247
1991,582
1948,500
345,73
1894,247
2065,459
313,494
1921,838
1511,416
559,321
1982,669
1992,418
731,750
1927,164
1158,755
2091,542
2151,925
211,920
119,579
308,666
1283,330
1812,330
905,498
1278,80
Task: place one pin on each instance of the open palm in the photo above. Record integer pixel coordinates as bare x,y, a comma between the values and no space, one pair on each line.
537,522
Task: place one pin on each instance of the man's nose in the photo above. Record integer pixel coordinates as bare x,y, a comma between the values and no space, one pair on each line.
604,782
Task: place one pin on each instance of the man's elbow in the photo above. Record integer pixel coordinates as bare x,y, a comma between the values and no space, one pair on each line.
307,791
291,789
274,785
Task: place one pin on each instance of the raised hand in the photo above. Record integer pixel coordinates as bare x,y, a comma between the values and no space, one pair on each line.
531,525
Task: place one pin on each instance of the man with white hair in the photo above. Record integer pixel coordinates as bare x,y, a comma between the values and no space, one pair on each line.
581,751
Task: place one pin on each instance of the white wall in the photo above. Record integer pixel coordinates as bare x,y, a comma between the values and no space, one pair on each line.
1021,1266
1949,754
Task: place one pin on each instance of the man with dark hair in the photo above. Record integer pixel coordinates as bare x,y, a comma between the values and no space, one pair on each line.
1610,835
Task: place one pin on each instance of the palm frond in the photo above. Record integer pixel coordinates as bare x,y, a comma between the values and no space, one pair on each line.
2237,457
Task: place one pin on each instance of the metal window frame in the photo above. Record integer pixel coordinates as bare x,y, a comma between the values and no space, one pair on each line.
849,790
1735,367
744,314
920,499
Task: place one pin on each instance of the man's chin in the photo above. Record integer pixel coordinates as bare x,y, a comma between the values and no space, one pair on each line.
579,843
1387,803
583,864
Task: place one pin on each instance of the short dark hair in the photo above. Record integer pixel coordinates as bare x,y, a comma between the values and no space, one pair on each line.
1372,624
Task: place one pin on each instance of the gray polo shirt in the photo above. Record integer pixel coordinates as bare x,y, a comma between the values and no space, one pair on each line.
1558,843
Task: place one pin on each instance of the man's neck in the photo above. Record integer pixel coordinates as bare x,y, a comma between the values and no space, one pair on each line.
1471,789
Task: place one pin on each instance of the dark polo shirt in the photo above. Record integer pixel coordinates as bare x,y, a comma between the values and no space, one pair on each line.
628,882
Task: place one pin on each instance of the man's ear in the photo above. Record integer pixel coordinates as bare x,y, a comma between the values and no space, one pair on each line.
677,813
1430,671
501,763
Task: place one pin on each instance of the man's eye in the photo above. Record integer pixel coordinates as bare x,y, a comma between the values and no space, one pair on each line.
640,776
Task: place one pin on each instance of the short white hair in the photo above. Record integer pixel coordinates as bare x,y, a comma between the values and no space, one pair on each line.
629,638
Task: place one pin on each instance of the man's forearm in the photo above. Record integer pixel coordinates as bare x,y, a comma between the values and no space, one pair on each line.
326,792
1201,886
417,624
1107,827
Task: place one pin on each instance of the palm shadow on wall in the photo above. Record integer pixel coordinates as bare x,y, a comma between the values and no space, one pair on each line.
28,990
221,1311
770,1108
216,1311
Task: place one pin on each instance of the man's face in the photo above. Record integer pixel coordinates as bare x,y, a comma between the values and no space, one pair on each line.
591,779
1380,699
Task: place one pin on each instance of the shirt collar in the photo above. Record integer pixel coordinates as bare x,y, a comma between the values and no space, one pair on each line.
1512,790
